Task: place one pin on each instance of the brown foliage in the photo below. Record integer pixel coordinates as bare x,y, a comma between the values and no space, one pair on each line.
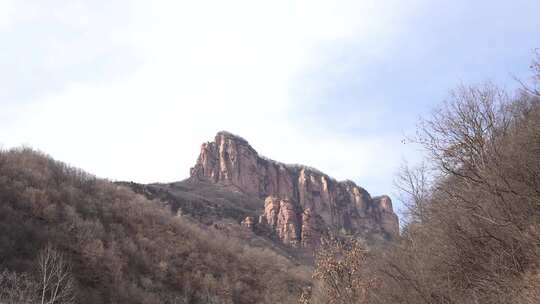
17,288
123,247
341,273
473,229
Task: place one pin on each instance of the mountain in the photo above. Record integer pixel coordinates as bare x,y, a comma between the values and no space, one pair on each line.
241,229
272,205
300,202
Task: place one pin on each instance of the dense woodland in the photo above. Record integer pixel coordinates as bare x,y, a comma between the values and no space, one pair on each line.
110,245
473,222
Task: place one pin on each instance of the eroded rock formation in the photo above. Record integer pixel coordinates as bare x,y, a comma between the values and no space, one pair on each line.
300,202
248,222
281,216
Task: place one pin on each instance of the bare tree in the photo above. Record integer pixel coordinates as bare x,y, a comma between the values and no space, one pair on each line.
55,281
413,183
536,70
473,234
533,87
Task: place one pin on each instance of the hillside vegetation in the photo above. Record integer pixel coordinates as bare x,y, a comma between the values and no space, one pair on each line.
117,246
222,207
473,231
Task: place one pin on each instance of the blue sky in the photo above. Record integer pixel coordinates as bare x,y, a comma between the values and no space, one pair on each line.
129,89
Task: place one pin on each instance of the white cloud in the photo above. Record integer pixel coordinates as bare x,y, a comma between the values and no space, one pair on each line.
198,67
13,12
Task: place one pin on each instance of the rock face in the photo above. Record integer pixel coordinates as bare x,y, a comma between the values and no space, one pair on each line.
300,202
248,222
281,216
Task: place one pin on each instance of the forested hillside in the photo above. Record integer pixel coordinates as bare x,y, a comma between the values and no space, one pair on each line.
111,245
473,226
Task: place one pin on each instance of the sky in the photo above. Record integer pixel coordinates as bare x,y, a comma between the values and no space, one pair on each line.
128,90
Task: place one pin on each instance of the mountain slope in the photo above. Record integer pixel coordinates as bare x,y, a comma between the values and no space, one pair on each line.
221,208
125,248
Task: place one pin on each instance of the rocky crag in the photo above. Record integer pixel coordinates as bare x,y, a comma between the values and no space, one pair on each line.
300,202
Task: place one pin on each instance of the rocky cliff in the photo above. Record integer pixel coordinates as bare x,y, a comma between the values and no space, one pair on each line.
299,202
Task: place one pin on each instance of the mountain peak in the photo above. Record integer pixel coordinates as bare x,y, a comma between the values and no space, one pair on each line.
300,202
231,136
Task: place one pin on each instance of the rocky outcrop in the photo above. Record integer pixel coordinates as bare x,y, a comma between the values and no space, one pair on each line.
248,222
388,219
300,202
281,216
